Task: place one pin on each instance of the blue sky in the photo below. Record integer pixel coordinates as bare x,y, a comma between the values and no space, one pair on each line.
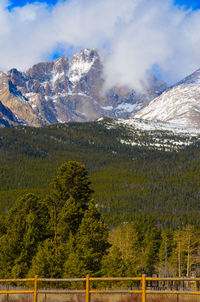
195,4
23,2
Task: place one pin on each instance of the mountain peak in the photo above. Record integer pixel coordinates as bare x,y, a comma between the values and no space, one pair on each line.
69,90
86,54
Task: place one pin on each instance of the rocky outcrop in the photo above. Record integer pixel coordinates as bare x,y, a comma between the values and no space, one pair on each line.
16,102
7,118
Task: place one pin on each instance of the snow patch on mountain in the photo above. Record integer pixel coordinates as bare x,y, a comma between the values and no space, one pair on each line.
77,70
55,76
107,107
157,125
80,64
127,107
153,134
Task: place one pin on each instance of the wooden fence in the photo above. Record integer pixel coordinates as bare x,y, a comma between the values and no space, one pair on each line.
88,290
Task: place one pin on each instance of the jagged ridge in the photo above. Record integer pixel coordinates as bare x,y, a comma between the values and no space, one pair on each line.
69,90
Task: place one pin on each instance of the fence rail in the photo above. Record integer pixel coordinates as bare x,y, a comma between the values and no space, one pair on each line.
88,291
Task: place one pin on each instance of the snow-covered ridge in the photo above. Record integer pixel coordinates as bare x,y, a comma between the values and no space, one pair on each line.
157,125
153,134
192,79
180,104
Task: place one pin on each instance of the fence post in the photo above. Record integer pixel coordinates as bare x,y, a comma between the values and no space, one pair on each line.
143,288
35,289
7,296
196,286
87,288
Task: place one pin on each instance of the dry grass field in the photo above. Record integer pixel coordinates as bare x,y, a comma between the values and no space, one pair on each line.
100,298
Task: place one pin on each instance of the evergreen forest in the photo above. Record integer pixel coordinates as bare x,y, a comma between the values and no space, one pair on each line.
75,201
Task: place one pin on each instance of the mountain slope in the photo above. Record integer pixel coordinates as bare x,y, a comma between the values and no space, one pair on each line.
70,90
129,175
180,104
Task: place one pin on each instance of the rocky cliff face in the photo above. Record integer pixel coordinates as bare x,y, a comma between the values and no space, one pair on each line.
7,118
63,90
14,101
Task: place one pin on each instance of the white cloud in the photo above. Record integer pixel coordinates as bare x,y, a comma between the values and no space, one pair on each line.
137,34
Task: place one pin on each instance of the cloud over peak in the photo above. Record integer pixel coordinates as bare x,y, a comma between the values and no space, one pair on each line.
132,36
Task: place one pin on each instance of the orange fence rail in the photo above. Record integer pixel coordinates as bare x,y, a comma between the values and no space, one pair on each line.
88,291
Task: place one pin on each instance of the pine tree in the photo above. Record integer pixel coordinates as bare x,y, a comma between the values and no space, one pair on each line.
151,248
113,265
27,226
92,240
74,266
72,181
68,220
2,225
45,263
69,199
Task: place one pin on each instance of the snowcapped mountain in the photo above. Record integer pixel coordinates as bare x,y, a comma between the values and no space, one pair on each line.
69,90
180,104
